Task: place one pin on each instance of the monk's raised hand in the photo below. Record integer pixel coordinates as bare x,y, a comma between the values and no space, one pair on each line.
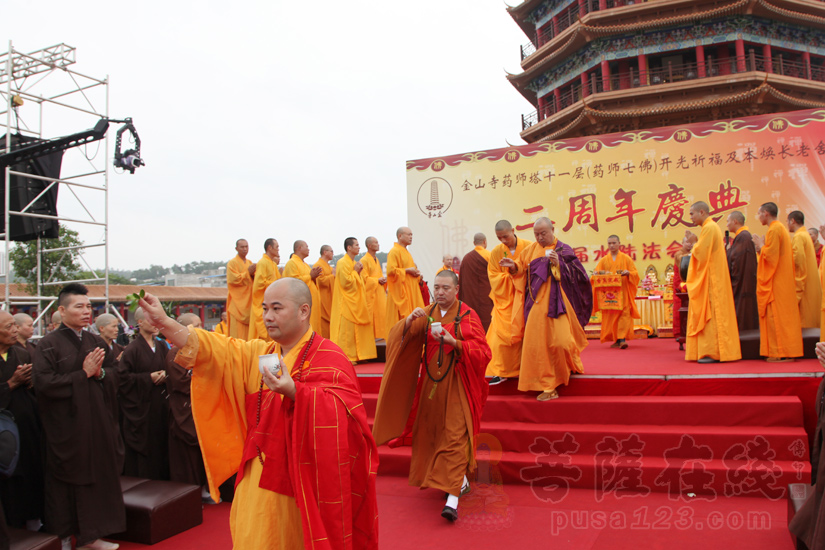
358,267
153,309
417,312
280,381
382,281
93,362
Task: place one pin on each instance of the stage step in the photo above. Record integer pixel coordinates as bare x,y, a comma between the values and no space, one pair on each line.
720,445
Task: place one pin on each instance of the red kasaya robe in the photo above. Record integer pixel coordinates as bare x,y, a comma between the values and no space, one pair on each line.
316,449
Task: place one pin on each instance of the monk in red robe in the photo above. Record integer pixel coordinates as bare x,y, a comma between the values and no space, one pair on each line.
293,427
440,407
474,285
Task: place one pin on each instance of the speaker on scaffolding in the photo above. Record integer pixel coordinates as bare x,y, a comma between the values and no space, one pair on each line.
23,190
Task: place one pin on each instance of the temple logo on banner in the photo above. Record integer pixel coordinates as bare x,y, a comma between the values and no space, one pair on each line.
435,196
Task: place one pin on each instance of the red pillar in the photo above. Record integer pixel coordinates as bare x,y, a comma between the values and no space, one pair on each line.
766,54
582,8
605,75
700,61
202,313
740,55
642,61
585,85
542,107
806,59
602,4
177,311
557,99
555,25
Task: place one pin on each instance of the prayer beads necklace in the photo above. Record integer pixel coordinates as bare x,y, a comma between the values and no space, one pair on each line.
440,359
261,391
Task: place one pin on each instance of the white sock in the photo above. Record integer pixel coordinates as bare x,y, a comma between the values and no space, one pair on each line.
205,492
465,484
452,502
34,524
66,544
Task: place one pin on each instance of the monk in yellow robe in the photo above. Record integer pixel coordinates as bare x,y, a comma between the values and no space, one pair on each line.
297,268
712,330
779,324
351,317
221,327
295,431
507,321
403,293
376,286
265,274
326,286
239,275
617,324
447,264
806,271
558,301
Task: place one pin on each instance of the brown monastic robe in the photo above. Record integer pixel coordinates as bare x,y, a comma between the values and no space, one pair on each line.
145,410
809,522
22,494
742,266
185,459
84,452
474,286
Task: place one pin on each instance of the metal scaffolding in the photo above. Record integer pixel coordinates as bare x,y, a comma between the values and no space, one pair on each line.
44,85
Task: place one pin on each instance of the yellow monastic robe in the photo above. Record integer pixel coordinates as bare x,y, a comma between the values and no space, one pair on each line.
403,294
351,325
220,328
617,324
265,274
445,268
808,287
507,319
376,294
712,330
779,323
326,285
239,297
552,347
219,390
298,269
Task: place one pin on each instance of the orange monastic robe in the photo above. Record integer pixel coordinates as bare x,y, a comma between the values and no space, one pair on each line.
403,294
239,297
265,274
617,324
822,307
351,324
507,320
326,286
779,323
220,328
298,269
552,347
808,287
445,268
316,449
712,330
376,294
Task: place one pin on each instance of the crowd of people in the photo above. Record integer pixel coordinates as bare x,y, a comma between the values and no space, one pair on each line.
275,380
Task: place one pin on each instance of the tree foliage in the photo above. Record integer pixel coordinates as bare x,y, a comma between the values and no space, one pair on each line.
57,266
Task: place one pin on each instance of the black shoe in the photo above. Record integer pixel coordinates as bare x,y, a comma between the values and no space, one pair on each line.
450,514
708,359
495,380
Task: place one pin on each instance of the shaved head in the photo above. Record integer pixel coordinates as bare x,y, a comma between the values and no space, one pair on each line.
295,290
104,319
21,318
448,275
189,319
479,239
139,315
298,244
503,225
701,205
737,216
544,222
400,231
369,240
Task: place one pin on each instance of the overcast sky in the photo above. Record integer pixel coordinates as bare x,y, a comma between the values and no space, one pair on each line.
274,119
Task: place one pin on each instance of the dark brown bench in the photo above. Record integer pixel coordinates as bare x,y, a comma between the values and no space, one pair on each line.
749,340
157,510
21,539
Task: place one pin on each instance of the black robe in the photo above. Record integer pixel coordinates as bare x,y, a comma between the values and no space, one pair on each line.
185,459
84,452
742,266
22,494
809,522
474,286
145,410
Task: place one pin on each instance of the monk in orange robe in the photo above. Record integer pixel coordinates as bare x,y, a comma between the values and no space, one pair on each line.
447,264
806,271
351,318
297,268
433,391
221,327
376,286
779,324
507,321
617,324
558,301
712,331
822,284
403,293
239,275
326,286
265,274
296,431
